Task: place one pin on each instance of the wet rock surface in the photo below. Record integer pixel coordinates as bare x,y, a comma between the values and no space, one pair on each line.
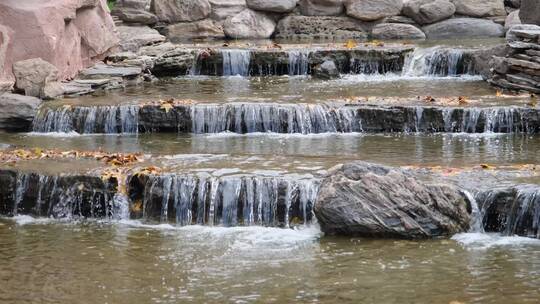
362,199
511,211
66,196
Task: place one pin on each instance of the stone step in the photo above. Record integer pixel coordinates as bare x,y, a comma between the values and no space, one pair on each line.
153,196
184,117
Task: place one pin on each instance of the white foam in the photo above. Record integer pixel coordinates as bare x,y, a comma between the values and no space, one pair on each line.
490,240
392,77
282,135
55,134
22,220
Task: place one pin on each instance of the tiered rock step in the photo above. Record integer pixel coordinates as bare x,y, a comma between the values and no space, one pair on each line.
244,118
291,59
258,186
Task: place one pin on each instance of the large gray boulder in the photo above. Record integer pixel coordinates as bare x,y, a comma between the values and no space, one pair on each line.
428,11
204,29
172,11
367,200
480,8
369,10
223,9
321,7
37,77
249,24
320,27
529,12
17,112
275,6
134,37
463,28
396,31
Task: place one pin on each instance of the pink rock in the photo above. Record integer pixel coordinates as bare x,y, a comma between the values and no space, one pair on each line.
70,34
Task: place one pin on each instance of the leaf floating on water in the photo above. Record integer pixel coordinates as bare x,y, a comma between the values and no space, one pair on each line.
429,99
351,44
462,100
166,106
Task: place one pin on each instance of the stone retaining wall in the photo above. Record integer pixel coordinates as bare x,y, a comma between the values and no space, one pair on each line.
327,19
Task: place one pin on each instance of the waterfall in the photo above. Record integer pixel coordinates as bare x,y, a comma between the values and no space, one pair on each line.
229,201
476,214
278,118
300,118
62,196
511,211
299,62
438,61
86,120
236,62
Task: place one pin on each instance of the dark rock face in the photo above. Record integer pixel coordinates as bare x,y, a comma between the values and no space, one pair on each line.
362,199
529,12
55,196
511,211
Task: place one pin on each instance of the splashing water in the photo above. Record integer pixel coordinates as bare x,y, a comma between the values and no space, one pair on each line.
236,62
437,61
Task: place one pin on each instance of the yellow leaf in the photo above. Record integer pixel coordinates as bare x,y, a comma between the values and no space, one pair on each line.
166,106
351,44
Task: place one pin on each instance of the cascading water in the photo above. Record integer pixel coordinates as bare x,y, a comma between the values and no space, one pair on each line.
62,196
86,120
229,201
298,62
476,214
511,211
286,118
236,62
278,118
438,61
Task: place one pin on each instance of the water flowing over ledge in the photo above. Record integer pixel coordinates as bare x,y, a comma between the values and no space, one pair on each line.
408,61
236,200
286,118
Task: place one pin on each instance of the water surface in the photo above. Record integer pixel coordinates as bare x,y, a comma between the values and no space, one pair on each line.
92,262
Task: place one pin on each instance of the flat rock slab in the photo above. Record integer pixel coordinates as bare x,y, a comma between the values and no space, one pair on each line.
107,71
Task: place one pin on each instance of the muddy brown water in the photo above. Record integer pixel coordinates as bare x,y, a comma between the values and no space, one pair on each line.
373,89
127,262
